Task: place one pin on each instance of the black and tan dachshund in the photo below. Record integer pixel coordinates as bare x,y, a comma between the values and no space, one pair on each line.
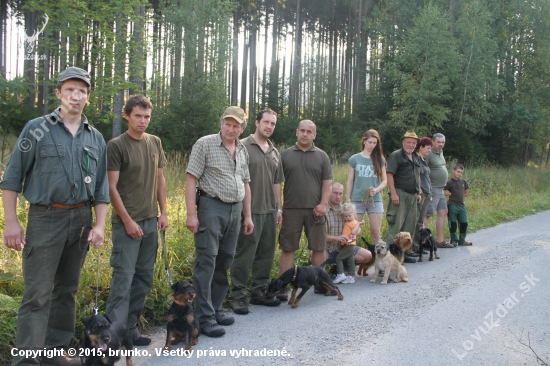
182,324
103,340
303,278
427,241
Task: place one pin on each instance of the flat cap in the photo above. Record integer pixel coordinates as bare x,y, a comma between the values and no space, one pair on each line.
74,73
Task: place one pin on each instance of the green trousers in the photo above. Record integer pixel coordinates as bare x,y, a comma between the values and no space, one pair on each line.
55,249
346,253
215,243
133,263
457,214
254,254
402,217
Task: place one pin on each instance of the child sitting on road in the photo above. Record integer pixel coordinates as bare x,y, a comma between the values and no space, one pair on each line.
457,189
351,229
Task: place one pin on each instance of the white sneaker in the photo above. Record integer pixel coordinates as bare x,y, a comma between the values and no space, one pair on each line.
349,279
341,277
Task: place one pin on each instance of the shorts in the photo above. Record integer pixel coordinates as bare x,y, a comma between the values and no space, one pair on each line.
371,207
331,255
439,202
294,219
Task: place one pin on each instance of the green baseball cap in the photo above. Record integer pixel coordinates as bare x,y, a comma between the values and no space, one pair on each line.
74,73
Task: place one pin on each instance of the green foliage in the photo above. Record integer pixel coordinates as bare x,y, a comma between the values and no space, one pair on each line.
423,73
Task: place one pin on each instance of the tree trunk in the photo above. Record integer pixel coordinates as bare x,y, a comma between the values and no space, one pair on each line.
235,66
244,71
120,75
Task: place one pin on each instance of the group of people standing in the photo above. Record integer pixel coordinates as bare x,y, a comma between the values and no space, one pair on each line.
234,206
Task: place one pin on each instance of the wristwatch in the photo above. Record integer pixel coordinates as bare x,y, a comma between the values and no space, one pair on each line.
280,211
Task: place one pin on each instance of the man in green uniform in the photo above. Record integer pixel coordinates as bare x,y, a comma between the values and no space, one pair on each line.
60,164
403,174
138,190
219,165
255,252
308,179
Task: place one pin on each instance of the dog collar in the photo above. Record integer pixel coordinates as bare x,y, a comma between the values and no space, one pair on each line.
179,303
295,272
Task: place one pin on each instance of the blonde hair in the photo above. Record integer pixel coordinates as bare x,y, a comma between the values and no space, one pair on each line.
349,208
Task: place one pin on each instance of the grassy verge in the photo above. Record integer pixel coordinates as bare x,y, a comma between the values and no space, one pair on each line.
496,195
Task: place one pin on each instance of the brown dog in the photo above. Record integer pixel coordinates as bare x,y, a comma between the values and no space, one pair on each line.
403,242
386,262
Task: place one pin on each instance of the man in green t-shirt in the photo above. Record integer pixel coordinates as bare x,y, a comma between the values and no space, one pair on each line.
137,189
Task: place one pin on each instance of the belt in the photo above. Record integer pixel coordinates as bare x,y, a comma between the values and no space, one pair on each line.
203,193
66,207
410,191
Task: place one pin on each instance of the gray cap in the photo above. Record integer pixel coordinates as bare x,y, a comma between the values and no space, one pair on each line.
74,73
235,112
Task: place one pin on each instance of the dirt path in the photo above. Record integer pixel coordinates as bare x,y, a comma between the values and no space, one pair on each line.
469,307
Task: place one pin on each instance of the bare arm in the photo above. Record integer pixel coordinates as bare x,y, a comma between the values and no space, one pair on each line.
161,197
97,234
277,190
247,213
357,229
383,183
393,192
132,228
192,221
349,185
321,208
14,234
466,193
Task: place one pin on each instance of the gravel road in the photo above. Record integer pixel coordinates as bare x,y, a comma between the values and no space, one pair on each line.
474,306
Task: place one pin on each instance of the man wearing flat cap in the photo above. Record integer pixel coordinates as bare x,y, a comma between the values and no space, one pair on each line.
218,167
403,173
60,164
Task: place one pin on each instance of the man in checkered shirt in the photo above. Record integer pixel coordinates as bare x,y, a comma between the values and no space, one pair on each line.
218,165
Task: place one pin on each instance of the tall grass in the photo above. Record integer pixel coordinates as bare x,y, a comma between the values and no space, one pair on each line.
496,195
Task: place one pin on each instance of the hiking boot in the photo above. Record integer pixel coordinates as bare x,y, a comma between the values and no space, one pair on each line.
239,306
212,330
60,361
140,340
262,299
223,319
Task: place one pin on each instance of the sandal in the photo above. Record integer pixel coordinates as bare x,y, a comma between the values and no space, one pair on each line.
444,244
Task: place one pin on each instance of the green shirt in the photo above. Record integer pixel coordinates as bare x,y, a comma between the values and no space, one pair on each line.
218,174
47,174
266,169
457,189
304,173
406,172
137,162
364,178
438,169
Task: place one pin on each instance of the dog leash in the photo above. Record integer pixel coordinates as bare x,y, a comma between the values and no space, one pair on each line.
164,257
96,305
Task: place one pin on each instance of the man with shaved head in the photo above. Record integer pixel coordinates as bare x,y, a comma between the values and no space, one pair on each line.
308,179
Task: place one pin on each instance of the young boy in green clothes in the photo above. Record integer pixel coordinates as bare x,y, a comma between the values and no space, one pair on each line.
457,189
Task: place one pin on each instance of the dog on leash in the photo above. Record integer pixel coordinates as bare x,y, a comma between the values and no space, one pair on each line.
102,336
182,324
364,267
427,241
303,278
388,263
403,242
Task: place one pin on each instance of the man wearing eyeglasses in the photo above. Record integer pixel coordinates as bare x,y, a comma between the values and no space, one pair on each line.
308,179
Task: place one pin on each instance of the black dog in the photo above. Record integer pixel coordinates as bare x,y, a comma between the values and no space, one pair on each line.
182,323
304,278
364,267
427,241
101,336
